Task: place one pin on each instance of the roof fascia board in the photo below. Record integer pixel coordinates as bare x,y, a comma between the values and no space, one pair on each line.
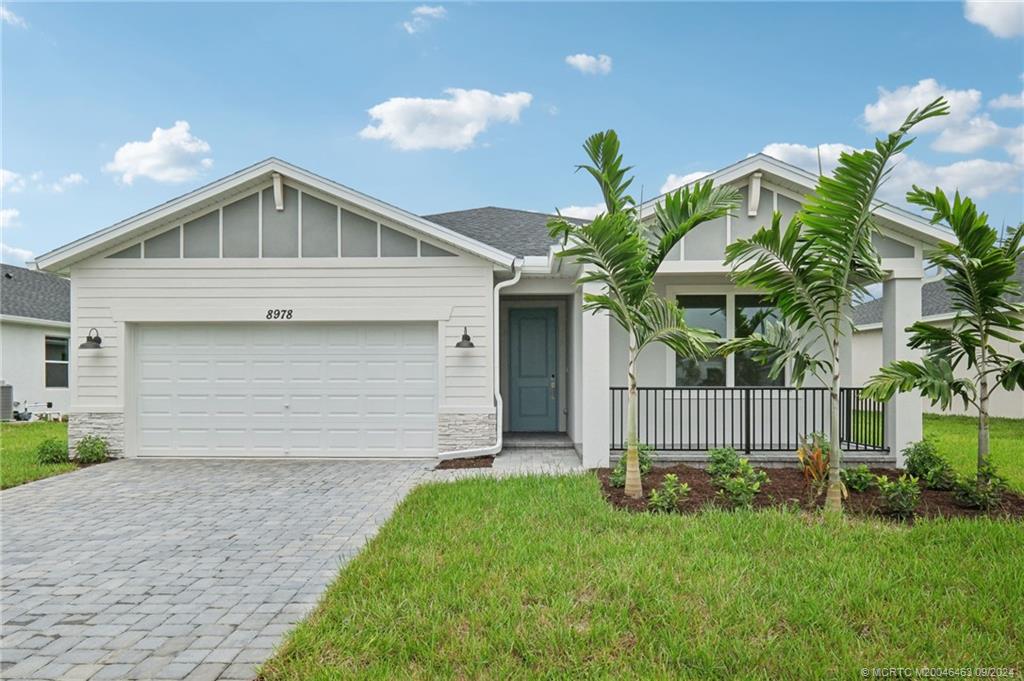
35,321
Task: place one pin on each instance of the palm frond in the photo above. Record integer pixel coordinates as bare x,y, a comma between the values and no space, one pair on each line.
660,320
682,210
779,346
933,377
603,150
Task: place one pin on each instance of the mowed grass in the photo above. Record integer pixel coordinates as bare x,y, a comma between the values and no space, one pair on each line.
18,442
539,578
957,439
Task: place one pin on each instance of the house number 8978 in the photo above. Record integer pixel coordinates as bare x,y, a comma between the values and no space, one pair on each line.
279,314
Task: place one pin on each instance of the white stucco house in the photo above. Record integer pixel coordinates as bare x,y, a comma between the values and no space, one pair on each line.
278,313
35,323
936,308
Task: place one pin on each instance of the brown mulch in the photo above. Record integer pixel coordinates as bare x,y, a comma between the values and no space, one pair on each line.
474,462
787,488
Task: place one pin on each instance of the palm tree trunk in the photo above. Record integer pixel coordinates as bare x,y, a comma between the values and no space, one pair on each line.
634,486
834,498
983,410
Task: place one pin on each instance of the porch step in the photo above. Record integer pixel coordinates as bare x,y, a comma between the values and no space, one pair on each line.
536,441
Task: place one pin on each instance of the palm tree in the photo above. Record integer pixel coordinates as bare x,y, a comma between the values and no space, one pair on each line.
979,275
622,252
813,268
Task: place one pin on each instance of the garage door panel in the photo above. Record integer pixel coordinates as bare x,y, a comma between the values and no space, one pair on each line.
287,390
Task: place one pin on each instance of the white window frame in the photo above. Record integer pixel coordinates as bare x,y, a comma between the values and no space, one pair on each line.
48,362
673,292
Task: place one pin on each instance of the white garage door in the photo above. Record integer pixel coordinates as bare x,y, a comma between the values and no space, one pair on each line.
287,389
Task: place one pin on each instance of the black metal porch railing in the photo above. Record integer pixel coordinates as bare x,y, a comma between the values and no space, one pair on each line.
747,419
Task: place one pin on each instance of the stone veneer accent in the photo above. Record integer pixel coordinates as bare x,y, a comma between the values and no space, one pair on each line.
464,431
107,425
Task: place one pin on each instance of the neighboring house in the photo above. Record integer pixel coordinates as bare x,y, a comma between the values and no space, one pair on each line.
278,313
936,308
35,314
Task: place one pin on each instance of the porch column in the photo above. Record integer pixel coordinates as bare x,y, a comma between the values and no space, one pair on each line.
901,307
595,398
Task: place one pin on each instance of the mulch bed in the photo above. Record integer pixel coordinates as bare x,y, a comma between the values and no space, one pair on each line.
474,462
787,488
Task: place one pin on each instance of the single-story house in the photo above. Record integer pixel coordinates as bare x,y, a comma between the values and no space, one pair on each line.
936,308
277,313
35,324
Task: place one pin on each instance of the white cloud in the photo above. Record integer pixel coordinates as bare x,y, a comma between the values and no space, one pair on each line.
674,181
422,17
978,177
11,19
9,218
806,157
979,133
14,255
588,63
1003,18
11,181
583,212
1008,101
170,155
414,123
69,180
892,107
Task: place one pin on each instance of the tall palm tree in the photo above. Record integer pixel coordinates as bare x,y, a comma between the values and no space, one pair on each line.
622,252
813,268
979,275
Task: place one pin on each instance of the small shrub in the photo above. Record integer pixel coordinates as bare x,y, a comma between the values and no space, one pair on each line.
984,492
814,458
666,498
723,462
900,496
857,479
925,463
91,449
52,450
645,458
740,489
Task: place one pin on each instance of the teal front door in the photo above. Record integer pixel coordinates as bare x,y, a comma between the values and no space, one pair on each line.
533,369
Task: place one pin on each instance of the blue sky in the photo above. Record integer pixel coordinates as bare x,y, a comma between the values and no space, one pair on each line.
109,109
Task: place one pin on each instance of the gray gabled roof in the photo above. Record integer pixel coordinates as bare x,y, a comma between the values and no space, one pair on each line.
935,301
28,293
519,232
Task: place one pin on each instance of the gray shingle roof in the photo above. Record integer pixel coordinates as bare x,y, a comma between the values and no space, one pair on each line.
519,232
934,301
28,293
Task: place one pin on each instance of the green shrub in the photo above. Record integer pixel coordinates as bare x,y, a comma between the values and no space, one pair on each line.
900,496
91,449
857,479
739,490
925,463
984,492
666,498
617,478
723,462
52,450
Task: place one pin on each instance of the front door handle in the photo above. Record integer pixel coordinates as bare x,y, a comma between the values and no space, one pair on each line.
552,386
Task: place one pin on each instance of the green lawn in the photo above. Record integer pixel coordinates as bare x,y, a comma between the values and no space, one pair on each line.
957,439
539,577
18,442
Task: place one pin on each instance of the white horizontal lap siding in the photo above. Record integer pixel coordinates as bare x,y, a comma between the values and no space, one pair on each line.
104,288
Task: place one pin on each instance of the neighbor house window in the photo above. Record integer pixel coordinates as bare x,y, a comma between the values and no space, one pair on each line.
735,316
705,312
56,362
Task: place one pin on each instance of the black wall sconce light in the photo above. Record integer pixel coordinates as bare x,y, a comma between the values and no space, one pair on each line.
466,342
92,341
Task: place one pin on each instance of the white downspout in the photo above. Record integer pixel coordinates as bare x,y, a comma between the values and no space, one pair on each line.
517,272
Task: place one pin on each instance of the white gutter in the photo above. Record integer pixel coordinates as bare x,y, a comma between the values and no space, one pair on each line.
517,272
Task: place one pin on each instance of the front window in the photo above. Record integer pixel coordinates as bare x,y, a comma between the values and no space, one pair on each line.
735,316
705,312
56,362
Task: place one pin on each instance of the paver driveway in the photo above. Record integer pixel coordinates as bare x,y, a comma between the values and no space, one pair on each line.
179,569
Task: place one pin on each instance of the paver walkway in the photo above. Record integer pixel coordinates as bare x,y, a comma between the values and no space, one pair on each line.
188,569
